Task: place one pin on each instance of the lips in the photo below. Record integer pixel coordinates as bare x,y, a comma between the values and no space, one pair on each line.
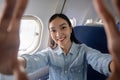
61,39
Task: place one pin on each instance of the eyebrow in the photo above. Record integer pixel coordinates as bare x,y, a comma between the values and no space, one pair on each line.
62,24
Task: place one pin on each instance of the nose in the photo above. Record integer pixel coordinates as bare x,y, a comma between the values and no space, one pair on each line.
58,34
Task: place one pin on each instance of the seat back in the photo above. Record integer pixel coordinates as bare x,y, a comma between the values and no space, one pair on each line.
93,36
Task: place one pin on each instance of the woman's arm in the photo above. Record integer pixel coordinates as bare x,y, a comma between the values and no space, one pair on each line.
113,35
22,61
9,38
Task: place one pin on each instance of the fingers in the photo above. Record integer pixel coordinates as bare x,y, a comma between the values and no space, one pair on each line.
12,14
20,8
18,13
116,4
109,22
9,22
7,14
19,71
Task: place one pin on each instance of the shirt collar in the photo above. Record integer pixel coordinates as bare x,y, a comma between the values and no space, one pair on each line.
74,48
59,51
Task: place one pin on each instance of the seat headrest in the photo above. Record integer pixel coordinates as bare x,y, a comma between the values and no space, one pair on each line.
93,36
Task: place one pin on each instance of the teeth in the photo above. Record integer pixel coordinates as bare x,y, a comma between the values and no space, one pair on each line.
61,39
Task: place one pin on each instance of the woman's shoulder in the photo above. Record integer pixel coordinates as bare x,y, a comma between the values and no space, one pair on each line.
80,44
45,50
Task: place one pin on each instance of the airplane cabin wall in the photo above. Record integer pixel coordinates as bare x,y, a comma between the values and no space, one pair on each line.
80,10
83,9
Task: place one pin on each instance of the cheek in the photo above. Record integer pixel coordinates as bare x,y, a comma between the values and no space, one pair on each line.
53,36
69,34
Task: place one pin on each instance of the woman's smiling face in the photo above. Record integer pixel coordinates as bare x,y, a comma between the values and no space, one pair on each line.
60,31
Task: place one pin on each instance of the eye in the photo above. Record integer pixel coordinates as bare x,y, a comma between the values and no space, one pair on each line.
52,30
63,27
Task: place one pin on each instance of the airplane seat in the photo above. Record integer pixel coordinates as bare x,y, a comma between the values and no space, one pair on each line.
92,36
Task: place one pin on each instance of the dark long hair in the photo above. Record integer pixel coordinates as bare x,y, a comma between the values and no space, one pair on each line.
51,42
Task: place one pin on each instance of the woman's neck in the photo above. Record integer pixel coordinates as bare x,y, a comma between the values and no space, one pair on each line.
66,48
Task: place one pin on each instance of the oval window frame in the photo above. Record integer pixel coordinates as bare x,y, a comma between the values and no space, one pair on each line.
35,46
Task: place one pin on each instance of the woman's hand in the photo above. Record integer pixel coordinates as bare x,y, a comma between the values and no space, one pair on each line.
112,32
9,38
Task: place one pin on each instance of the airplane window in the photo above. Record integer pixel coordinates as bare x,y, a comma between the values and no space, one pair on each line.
30,34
